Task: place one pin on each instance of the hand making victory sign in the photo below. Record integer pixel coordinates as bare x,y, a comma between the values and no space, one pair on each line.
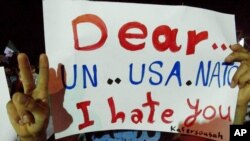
29,110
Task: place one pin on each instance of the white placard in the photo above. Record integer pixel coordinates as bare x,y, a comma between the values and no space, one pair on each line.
141,66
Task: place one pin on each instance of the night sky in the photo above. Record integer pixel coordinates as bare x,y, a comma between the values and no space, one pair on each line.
21,21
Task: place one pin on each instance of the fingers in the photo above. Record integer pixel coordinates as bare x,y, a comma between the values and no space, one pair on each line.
16,120
239,53
28,109
237,57
12,113
52,77
244,79
241,76
238,48
25,73
43,78
56,79
243,97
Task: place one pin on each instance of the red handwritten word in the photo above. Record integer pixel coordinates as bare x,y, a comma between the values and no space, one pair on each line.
169,34
190,120
137,114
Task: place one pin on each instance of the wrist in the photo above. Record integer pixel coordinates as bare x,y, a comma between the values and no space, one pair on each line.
240,114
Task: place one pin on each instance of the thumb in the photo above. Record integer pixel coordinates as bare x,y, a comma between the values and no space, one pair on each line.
26,105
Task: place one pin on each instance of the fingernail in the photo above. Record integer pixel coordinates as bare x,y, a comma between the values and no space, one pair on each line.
227,58
23,99
233,84
232,46
21,122
25,119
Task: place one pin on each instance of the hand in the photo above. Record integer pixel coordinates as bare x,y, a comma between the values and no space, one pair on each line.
55,84
242,79
29,111
57,93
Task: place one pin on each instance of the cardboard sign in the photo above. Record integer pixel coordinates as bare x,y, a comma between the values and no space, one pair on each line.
7,133
139,66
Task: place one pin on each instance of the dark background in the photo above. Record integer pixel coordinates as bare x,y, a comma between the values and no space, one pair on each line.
21,21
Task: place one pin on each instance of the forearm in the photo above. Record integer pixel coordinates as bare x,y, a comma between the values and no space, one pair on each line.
240,114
